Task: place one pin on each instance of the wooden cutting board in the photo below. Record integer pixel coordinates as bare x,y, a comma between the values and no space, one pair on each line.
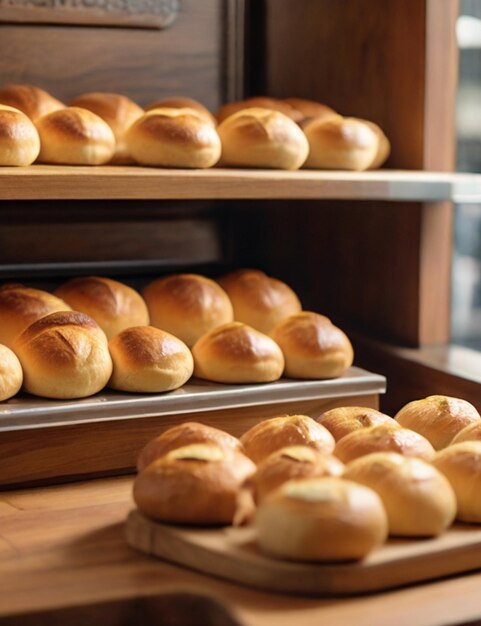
232,553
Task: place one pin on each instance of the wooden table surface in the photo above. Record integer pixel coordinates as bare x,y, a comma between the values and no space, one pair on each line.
64,545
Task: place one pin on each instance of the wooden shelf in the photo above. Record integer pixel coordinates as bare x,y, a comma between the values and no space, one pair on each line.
44,182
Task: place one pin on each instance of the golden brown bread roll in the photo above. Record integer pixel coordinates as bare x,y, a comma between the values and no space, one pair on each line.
345,419
195,484
438,418
418,499
312,346
21,306
187,305
321,519
262,102
11,374
118,111
310,109
259,300
64,355
383,438
171,137
384,147
469,433
19,140
182,435
270,435
262,138
237,353
181,102
113,305
32,101
149,360
75,136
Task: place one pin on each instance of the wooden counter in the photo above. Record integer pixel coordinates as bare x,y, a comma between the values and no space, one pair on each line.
64,545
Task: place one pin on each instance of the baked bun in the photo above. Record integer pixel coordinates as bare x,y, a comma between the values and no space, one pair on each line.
262,102
418,499
195,484
19,140
32,101
383,438
237,353
11,374
113,305
262,138
119,112
182,435
187,305
384,147
312,346
259,300
171,137
21,306
469,433
341,143
276,433
346,419
149,360
438,418
321,519
64,355
75,136
310,109
181,102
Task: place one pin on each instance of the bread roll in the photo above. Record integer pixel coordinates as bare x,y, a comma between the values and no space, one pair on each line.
32,101
310,109
438,418
312,346
19,140
113,305
262,138
384,147
64,355
469,433
418,499
383,438
276,433
196,484
11,374
341,143
237,353
119,112
461,464
181,102
75,136
187,305
346,419
21,306
259,300
149,360
321,519
263,102
171,137
182,435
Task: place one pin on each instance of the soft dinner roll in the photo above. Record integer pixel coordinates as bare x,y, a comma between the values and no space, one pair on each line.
196,484
64,355
237,353
270,435
262,138
341,143
259,300
384,147
118,111
383,438
461,464
469,433
187,305
346,419
438,418
11,374
21,306
34,102
263,102
19,140
113,305
75,136
183,435
172,137
418,499
147,359
321,519
312,346
181,102
310,108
